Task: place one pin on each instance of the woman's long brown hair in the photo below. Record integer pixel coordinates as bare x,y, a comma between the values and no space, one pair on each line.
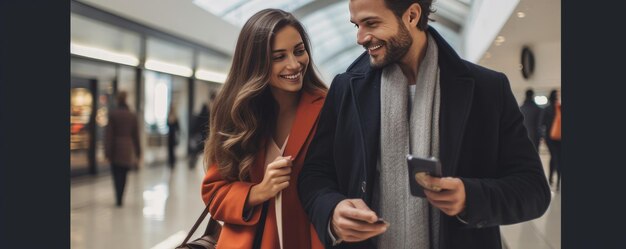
244,110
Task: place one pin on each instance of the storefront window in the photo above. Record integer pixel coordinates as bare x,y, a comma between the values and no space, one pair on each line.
81,104
93,81
180,101
161,92
156,96
106,59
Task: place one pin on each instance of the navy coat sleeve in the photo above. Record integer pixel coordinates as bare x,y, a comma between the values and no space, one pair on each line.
520,191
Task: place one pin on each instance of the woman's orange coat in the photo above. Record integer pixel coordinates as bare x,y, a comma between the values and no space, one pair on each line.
228,204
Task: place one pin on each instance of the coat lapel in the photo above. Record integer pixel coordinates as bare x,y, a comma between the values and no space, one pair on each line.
456,101
309,107
365,91
457,91
306,115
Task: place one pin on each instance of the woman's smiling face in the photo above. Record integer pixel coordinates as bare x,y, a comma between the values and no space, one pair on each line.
289,60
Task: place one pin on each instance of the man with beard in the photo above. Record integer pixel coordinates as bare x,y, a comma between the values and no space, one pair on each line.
410,93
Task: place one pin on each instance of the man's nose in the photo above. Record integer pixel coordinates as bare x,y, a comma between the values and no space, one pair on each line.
362,37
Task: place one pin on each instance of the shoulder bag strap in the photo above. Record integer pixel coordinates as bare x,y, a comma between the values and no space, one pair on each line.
200,219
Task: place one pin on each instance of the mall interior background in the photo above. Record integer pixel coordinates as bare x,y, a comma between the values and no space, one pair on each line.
175,52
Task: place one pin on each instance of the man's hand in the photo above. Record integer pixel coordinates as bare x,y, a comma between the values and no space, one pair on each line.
451,197
353,221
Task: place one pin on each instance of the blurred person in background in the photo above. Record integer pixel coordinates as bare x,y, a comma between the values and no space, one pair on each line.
554,146
173,134
200,131
262,122
411,93
532,117
122,146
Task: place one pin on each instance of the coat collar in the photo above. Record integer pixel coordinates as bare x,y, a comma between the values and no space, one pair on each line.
457,89
307,113
306,116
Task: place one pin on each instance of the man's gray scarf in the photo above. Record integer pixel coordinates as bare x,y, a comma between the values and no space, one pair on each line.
414,223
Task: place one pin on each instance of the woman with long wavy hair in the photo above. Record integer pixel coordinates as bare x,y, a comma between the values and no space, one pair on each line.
263,121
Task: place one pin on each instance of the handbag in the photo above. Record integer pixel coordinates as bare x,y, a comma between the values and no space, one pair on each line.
213,229
210,236
555,131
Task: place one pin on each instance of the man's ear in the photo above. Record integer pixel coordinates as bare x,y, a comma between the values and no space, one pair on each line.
414,12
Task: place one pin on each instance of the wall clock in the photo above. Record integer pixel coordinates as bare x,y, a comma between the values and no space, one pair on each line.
528,62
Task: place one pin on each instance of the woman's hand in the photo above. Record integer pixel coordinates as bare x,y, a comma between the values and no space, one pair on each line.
276,178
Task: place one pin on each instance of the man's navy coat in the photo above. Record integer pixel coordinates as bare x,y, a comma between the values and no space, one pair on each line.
482,141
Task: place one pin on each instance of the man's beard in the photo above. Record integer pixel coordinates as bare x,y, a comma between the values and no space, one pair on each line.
396,48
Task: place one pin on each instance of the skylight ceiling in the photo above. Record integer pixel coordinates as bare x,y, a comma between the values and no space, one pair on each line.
333,37
238,11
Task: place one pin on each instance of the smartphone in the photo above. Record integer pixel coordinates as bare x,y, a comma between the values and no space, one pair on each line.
419,167
380,221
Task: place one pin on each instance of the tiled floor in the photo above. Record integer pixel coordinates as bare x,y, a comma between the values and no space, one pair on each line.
161,206
543,232
157,205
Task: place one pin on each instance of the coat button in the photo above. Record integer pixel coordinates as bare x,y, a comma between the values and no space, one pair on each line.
363,185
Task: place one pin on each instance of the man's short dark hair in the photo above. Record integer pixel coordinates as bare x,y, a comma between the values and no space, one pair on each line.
530,93
398,7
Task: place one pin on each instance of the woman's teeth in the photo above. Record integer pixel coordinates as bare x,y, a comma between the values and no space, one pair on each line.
291,77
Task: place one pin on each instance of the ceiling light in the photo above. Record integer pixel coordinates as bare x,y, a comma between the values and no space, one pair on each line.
210,76
168,68
103,54
541,100
521,14
499,40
